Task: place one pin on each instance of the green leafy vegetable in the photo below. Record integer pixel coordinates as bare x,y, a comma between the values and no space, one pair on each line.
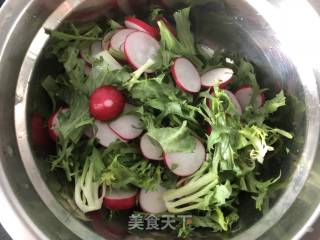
89,193
237,147
174,139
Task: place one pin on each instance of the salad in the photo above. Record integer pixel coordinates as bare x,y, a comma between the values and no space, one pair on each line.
146,119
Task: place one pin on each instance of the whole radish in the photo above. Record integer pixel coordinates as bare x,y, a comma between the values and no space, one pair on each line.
106,103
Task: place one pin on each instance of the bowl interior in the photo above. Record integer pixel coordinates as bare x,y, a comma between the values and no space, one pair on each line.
225,26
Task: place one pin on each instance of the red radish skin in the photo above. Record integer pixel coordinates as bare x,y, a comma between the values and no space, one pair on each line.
39,133
244,95
119,38
135,23
186,75
223,75
150,149
209,130
127,127
152,201
139,48
185,164
106,103
104,134
120,199
110,230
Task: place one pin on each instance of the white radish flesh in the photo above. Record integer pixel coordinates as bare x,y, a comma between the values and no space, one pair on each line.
223,75
127,127
244,95
185,164
139,48
109,61
186,75
118,199
150,148
234,100
104,134
119,38
136,24
152,201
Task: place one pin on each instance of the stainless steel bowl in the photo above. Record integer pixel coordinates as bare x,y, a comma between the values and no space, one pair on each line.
281,37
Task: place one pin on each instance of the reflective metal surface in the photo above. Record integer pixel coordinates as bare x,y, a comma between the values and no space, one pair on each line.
284,47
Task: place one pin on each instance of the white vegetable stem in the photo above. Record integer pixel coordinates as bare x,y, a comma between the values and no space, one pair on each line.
138,73
88,193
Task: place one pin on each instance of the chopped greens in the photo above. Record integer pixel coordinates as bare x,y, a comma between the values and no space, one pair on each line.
236,146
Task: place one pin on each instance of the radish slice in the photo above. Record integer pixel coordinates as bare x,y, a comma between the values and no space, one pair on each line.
234,101
223,75
39,132
185,164
127,127
244,95
109,60
186,75
106,103
152,201
150,148
118,199
119,38
96,48
104,134
134,23
108,230
139,48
